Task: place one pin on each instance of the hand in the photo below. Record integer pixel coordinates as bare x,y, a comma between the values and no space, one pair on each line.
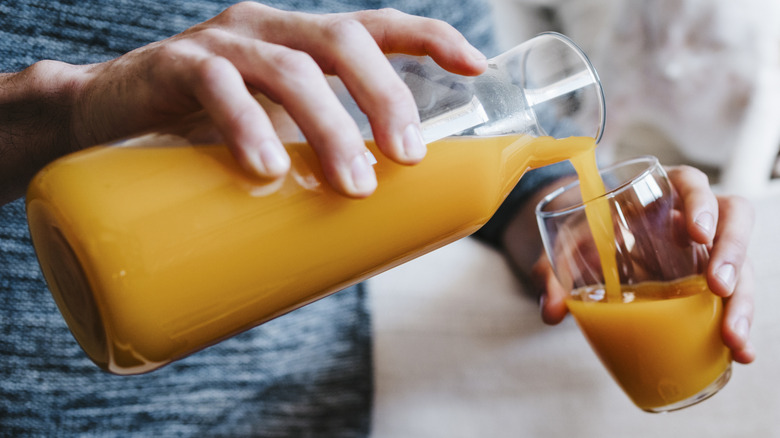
220,65
249,48
724,224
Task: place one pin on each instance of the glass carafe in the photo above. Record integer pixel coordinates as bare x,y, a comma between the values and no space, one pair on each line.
160,245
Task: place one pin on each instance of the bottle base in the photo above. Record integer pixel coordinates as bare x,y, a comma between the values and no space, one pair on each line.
68,282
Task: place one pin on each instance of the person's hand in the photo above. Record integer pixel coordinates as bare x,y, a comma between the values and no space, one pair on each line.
220,66
724,224
249,48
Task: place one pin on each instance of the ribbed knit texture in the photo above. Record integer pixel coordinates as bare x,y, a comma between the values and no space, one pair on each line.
305,374
86,31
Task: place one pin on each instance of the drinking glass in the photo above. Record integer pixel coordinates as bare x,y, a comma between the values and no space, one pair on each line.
658,332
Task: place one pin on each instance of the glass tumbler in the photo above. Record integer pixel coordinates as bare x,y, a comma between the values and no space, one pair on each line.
659,334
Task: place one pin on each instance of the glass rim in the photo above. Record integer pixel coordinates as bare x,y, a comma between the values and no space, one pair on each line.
652,163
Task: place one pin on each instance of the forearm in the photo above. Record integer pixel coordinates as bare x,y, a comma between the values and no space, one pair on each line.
35,122
521,240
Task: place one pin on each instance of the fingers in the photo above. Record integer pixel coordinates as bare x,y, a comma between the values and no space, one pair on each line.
729,250
391,30
219,67
246,128
285,56
352,46
294,80
250,48
552,299
699,203
738,318
396,32
724,223
355,57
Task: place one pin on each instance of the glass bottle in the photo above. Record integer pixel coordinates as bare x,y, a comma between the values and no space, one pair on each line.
161,245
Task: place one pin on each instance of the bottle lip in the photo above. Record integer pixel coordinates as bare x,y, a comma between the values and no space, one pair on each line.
595,80
601,101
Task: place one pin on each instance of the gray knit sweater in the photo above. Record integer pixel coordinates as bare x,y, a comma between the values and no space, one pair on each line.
305,374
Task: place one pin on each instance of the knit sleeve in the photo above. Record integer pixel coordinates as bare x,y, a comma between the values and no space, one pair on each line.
528,186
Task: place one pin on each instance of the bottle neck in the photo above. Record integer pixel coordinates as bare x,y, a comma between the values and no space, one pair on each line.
534,152
516,159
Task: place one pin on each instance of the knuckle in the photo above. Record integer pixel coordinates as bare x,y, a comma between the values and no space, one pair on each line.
385,14
40,70
239,11
209,70
373,17
438,27
294,65
740,247
343,30
740,204
211,34
394,95
693,174
389,13
195,39
732,201
174,50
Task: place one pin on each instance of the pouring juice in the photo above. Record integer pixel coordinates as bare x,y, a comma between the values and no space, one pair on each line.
660,340
153,253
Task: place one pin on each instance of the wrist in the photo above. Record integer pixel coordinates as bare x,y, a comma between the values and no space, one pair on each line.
521,240
35,121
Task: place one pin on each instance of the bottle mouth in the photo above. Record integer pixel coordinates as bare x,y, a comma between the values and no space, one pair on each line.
562,88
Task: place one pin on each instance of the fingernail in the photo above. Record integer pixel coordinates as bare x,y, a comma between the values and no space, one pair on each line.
254,163
273,158
742,328
363,176
726,274
414,145
706,222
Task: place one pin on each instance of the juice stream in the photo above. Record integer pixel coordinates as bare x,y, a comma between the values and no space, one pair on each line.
153,253
660,340
599,220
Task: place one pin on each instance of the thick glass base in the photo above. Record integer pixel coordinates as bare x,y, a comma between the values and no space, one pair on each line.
704,394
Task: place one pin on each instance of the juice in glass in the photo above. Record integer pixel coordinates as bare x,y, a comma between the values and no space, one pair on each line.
640,296
662,344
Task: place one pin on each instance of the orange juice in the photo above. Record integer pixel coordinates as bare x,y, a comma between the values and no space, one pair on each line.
152,253
599,219
662,344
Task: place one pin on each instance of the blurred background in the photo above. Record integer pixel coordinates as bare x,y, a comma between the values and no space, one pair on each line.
692,81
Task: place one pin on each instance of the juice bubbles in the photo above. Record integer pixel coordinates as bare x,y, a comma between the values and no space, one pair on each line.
663,344
152,253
